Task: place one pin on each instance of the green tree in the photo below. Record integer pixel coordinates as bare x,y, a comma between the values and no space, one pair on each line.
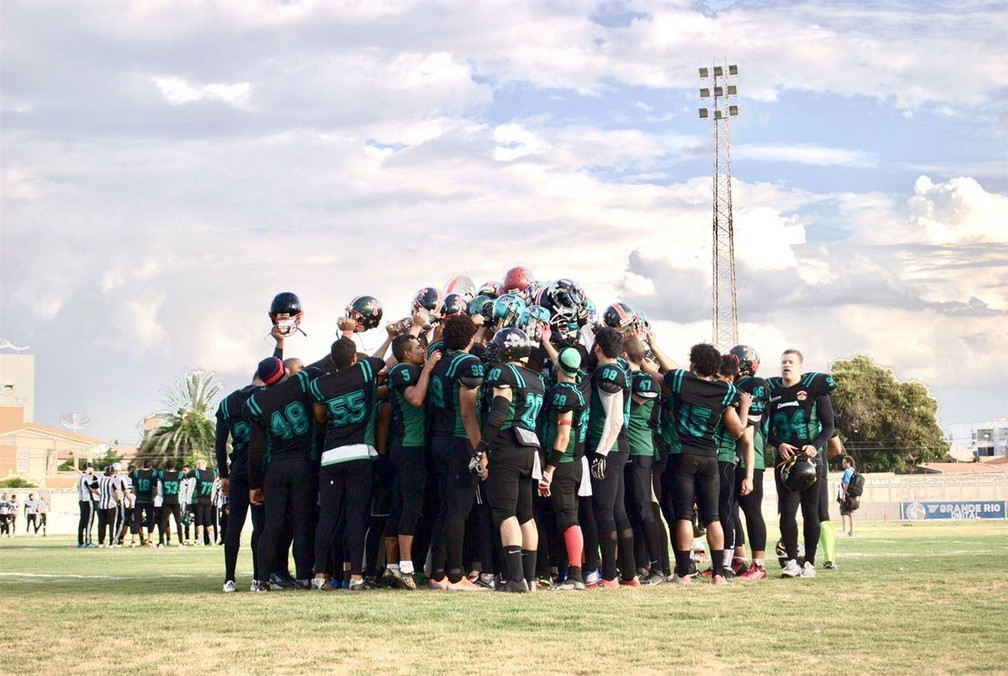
186,427
887,425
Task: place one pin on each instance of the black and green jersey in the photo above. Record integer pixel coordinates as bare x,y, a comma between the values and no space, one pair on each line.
668,427
757,387
455,371
203,487
283,414
349,397
644,412
527,393
699,405
790,409
409,423
143,485
230,416
563,398
171,485
611,379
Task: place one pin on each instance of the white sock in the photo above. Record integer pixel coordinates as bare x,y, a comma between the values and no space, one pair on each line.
758,562
729,556
394,567
406,567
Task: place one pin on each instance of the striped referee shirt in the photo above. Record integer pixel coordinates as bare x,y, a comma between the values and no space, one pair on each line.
83,490
107,486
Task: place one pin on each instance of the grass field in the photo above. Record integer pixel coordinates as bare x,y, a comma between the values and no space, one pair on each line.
927,598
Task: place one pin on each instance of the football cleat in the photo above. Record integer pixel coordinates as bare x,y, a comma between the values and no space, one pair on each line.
515,587
754,573
682,580
719,580
570,585
230,587
791,569
465,584
830,565
808,570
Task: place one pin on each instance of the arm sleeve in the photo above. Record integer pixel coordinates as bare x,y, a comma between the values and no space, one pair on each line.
220,448
612,404
825,409
498,409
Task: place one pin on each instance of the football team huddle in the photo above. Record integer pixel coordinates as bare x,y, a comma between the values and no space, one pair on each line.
515,440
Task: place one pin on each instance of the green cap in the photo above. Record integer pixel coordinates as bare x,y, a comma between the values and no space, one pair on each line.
569,361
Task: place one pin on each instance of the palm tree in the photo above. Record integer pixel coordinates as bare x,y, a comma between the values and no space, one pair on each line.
184,427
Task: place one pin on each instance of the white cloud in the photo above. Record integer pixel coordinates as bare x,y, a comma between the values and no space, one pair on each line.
804,154
176,91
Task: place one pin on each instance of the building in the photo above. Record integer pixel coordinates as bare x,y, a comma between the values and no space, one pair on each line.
28,449
987,439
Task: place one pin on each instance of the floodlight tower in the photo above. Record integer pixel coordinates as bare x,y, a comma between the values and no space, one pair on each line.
719,97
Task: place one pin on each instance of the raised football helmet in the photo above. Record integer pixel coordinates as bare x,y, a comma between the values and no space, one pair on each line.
507,309
285,312
622,317
532,321
748,359
488,288
518,280
454,304
511,344
482,305
366,311
462,286
798,472
428,302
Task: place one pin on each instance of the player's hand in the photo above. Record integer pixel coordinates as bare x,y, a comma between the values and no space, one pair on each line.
256,496
392,328
786,451
546,334
277,335
650,337
598,467
478,320
810,450
225,486
432,360
544,484
746,486
346,325
745,400
476,463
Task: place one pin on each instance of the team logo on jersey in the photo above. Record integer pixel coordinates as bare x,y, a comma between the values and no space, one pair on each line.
802,395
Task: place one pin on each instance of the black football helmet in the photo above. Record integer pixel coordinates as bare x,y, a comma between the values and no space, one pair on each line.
286,313
748,359
454,304
366,311
622,317
798,472
511,345
428,301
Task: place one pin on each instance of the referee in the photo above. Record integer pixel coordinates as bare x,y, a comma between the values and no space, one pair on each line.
85,499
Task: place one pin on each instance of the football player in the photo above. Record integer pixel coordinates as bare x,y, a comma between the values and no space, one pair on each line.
565,423
644,395
794,398
609,412
702,404
169,485
280,419
453,398
344,402
507,453
408,382
751,503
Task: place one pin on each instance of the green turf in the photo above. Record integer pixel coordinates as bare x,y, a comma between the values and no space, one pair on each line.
922,598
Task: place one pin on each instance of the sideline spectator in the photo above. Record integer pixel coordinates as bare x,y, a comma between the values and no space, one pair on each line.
848,503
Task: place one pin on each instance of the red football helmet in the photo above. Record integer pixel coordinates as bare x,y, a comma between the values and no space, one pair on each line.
519,280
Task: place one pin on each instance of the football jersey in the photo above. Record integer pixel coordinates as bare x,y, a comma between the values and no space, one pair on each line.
699,405
203,486
790,409
643,414
409,422
455,371
608,378
285,413
143,485
171,485
349,397
757,387
527,392
562,398
230,415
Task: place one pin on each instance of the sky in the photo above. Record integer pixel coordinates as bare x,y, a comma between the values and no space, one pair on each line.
167,167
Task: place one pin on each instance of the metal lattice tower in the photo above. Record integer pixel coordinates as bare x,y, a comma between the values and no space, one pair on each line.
719,95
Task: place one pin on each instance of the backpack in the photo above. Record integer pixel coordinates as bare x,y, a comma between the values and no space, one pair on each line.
856,486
